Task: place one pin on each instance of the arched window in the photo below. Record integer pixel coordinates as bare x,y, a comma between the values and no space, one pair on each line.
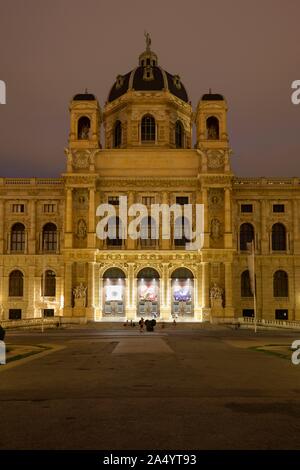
49,237
16,284
148,273
148,130
181,231
179,135
246,284
49,284
212,128
84,125
17,239
114,237
280,284
117,134
278,237
148,232
246,235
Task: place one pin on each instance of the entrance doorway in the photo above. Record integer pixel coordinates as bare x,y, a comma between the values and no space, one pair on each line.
148,285
114,293
182,287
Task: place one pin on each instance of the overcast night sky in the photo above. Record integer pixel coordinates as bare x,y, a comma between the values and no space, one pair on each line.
249,51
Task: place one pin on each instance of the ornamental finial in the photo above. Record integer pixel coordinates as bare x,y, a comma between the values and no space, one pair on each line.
148,40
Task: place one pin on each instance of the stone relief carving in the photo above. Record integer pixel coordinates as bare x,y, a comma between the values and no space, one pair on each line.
216,292
79,293
81,159
215,229
216,295
216,158
81,229
215,198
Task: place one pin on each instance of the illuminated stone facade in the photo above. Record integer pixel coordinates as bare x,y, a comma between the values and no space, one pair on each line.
49,225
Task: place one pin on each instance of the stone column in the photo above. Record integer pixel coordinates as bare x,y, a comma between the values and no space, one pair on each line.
165,293
165,244
130,243
263,228
59,295
69,219
296,291
197,293
2,241
100,309
205,291
130,310
206,221
91,291
92,217
32,232
30,292
97,290
228,223
296,244
229,311
68,289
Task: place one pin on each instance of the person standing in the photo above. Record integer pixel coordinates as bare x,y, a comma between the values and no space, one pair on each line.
141,323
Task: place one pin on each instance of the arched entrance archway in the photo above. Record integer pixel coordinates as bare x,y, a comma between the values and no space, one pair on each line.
182,288
114,293
148,285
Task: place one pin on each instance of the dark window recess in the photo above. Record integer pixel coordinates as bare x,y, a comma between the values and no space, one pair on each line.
15,314
49,237
15,284
246,235
17,242
248,312
182,200
48,312
148,128
278,207
281,314
278,237
280,284
246,284
117,134
246,208
113,200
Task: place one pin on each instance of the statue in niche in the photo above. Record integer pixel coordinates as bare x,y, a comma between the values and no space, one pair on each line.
81,229
216,292
215,229
216,295
79,293
212,133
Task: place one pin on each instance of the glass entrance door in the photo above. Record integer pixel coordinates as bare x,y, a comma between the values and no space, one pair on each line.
148,291
182,294
114,293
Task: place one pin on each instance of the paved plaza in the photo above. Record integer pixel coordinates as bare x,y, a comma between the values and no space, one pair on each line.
188,387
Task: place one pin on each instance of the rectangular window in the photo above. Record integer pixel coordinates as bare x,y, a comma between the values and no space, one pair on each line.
113,200
182,200
15,314
281,314
49,208
248,312
148,200
246,208
18,208
48,312
278,207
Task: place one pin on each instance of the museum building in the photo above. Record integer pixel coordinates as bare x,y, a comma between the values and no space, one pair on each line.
53,264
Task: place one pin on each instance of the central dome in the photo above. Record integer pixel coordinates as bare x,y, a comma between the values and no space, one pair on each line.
148,76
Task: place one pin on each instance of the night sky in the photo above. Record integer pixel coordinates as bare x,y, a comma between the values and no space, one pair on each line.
248,51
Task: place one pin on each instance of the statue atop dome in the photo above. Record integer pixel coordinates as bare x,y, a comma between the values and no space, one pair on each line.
148,40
